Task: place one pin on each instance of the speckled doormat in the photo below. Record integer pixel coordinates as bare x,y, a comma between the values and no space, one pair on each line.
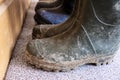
19,70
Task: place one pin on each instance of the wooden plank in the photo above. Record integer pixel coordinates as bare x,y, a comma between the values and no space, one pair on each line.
1,1
11,19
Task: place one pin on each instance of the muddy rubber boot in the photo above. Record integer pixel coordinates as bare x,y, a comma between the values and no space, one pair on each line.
93,36
54,15
57,17
53,4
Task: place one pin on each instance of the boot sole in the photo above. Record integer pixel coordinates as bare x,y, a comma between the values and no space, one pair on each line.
67,65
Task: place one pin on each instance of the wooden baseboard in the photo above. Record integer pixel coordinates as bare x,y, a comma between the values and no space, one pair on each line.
1,1
11,18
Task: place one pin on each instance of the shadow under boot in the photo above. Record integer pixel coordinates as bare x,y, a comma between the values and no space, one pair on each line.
89,38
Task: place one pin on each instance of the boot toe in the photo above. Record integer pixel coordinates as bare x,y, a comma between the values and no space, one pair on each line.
41,55
45,50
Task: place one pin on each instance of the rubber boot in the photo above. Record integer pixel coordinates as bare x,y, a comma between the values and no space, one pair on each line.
93,36
53,4
43,31
54,15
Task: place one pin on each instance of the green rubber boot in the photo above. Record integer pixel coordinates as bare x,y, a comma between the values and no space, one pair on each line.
55,15
53,4
93,36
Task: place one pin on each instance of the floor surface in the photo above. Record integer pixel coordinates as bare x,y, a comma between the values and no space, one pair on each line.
19,70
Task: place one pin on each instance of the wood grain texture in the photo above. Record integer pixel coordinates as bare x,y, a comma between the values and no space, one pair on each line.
11,18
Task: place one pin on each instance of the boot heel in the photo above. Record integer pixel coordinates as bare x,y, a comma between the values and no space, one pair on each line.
104,60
